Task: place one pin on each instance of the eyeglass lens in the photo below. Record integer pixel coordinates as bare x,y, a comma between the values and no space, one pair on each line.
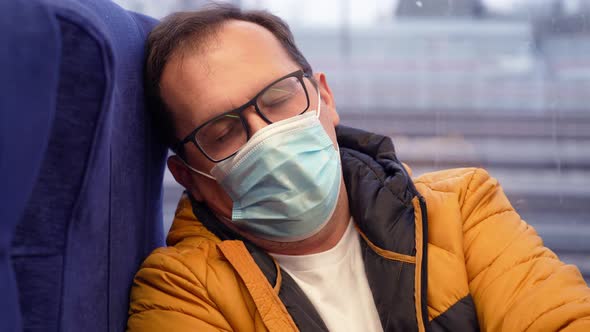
225,135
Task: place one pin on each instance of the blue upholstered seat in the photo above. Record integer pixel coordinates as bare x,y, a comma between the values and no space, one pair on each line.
80,165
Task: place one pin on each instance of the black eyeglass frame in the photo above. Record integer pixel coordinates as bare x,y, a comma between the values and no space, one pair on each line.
299,74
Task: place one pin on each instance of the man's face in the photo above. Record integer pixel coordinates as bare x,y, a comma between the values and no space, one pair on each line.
239,61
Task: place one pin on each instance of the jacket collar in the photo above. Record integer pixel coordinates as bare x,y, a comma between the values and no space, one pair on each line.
380,189
389,211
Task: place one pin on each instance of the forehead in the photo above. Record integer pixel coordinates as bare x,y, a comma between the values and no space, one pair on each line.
237,62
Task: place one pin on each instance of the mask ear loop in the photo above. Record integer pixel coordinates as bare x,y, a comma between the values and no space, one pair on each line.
319,111
197,171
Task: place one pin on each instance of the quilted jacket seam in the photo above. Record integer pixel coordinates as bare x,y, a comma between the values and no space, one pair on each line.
180,311
486,218
554,308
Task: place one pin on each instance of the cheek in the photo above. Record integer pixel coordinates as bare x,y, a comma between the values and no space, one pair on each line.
199,161
216,198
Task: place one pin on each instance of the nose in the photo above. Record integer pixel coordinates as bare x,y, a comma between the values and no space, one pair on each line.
254,121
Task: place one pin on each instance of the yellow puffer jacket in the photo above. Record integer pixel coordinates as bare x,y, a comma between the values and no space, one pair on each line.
482,268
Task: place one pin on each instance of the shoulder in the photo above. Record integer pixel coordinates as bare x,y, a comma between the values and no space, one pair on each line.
187,286
459,198
459,181
174,278
190,259
452,177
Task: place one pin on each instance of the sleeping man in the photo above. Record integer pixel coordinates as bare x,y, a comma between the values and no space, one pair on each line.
291,222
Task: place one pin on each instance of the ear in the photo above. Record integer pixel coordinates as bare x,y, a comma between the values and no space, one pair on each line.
183,176
327,97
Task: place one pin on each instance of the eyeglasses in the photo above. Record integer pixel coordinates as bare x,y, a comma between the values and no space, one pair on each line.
221,137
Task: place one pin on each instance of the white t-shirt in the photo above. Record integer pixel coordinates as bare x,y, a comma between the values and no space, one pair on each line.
336,284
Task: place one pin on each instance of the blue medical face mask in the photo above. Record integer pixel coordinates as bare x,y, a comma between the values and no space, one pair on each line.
285,181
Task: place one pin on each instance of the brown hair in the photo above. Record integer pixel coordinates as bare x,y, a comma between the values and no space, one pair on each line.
183,30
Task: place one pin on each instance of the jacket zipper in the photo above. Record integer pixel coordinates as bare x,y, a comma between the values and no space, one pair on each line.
424,263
